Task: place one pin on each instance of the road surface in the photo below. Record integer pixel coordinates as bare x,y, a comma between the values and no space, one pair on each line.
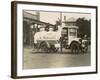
36,59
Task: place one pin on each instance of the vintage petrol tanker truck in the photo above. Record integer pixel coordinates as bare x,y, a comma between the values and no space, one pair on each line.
64,37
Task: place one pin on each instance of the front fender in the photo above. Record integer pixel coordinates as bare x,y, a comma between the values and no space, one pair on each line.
75,40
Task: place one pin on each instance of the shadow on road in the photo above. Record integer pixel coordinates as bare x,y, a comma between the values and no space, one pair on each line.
57,53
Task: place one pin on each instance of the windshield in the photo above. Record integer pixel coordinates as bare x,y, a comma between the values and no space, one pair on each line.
73,32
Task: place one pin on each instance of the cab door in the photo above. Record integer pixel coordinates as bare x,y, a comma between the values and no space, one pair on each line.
64,36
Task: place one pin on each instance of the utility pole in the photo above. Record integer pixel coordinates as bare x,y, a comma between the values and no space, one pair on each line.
38,15
61,36
61,19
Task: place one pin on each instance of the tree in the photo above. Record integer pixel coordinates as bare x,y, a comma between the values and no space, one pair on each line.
84,27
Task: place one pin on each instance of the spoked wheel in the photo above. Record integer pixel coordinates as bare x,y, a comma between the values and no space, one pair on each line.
44,47
75,47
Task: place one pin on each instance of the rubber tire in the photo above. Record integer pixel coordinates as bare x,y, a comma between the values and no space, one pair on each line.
75,47
44,46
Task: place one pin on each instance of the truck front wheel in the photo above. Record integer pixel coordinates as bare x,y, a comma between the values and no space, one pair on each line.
75,47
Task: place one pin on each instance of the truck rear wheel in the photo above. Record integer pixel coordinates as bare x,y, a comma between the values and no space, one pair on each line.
75,47
44,46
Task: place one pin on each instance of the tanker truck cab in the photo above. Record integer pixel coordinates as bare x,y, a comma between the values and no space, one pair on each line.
69,38
68,35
